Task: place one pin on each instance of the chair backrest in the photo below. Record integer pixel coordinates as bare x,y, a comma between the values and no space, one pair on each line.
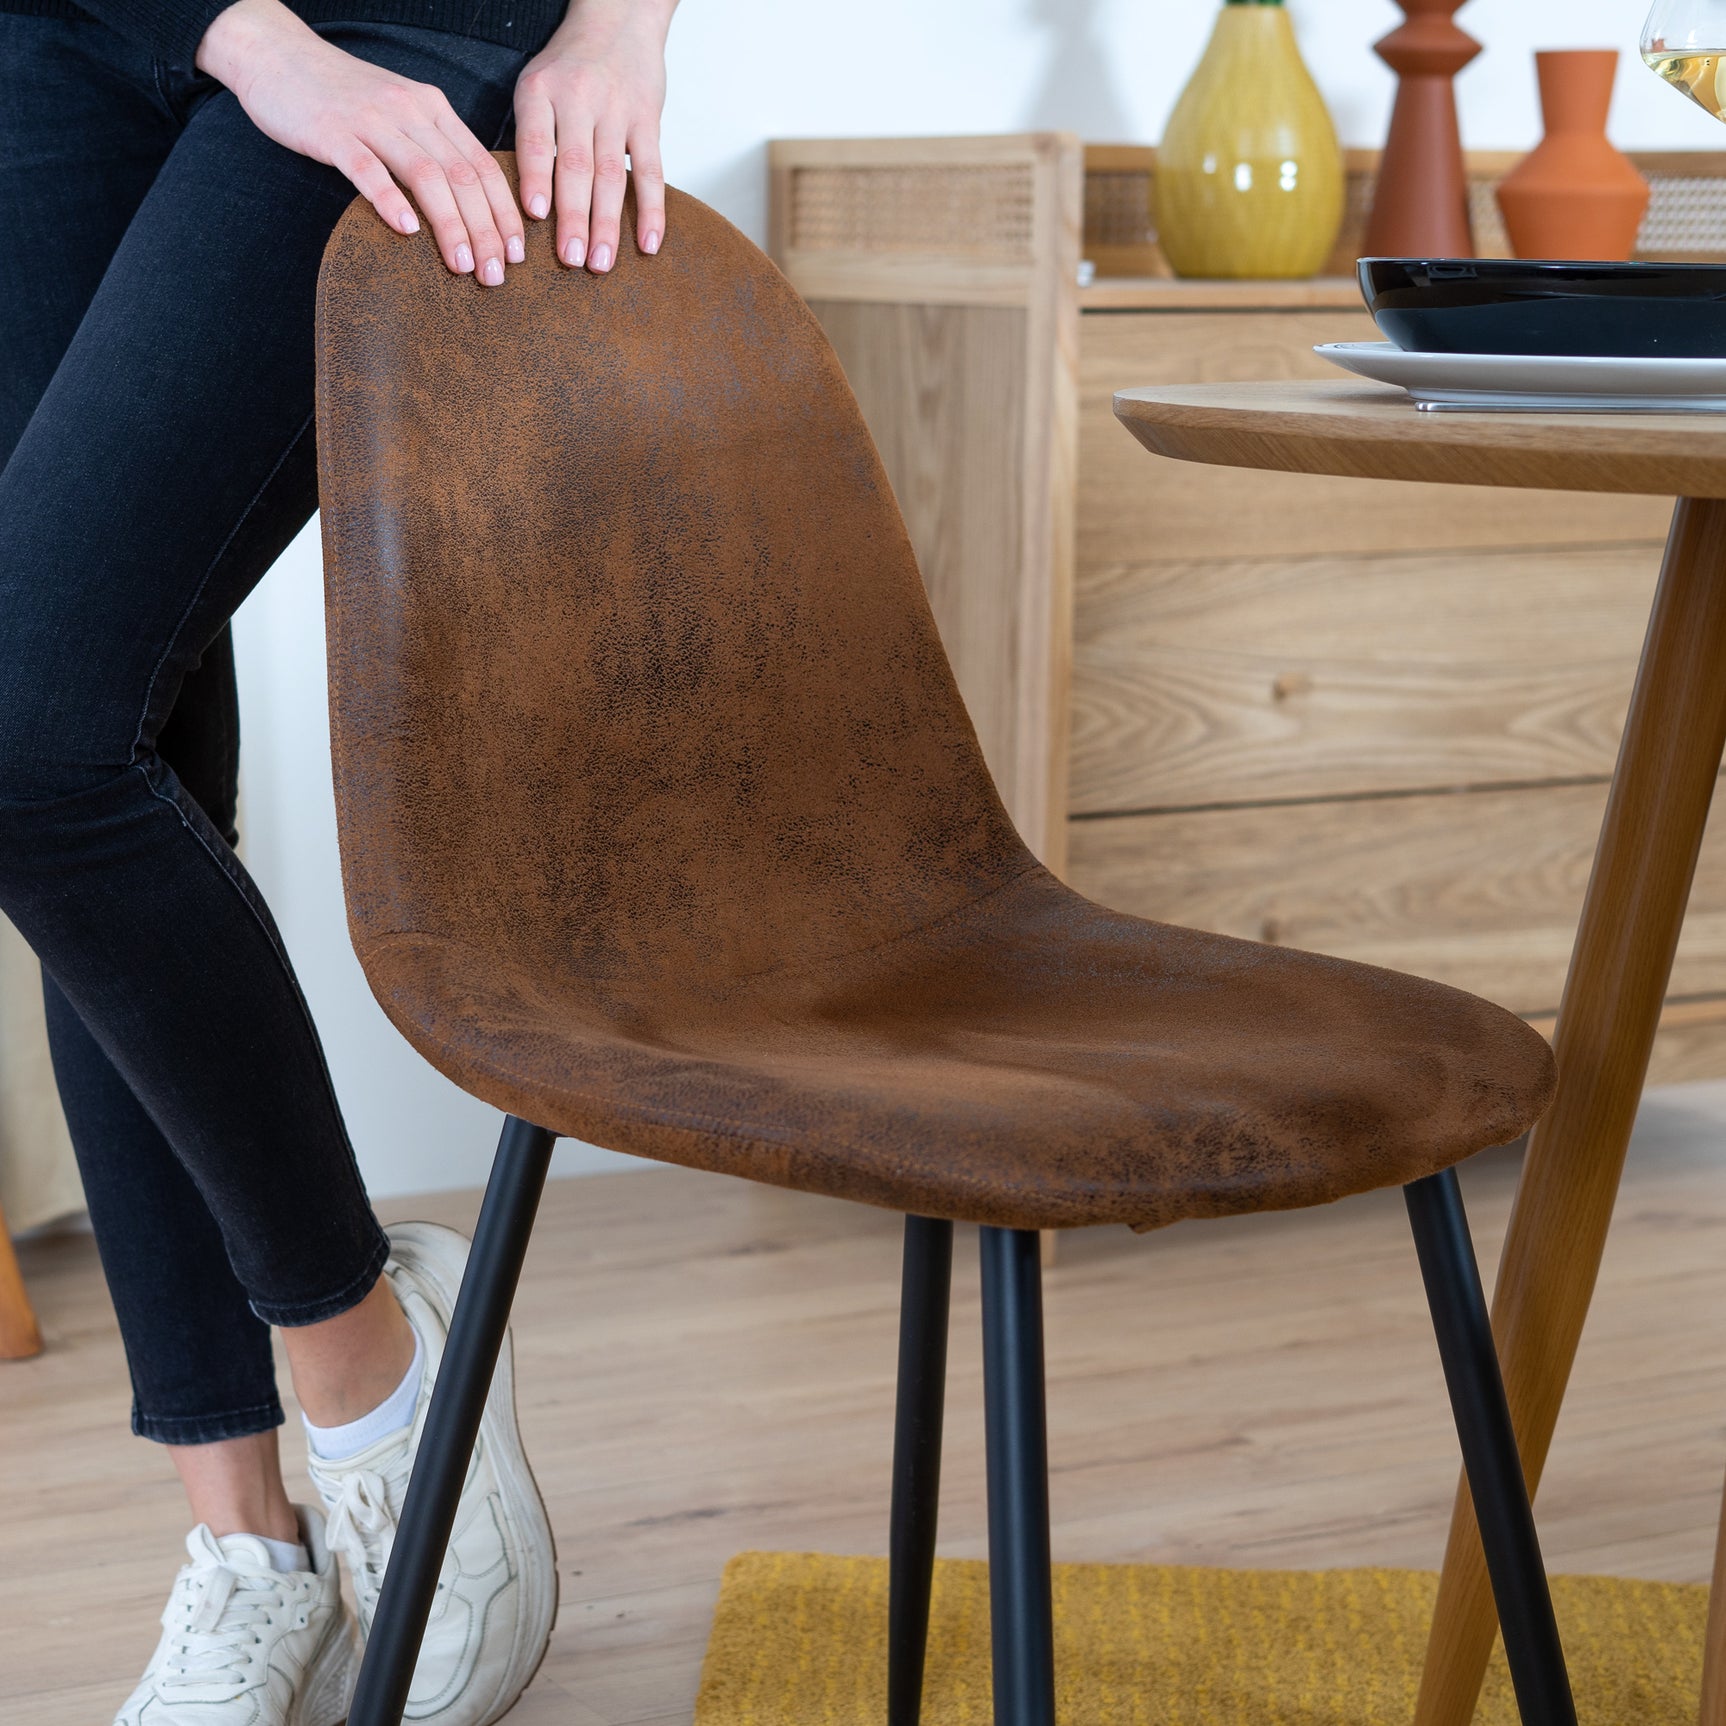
632,673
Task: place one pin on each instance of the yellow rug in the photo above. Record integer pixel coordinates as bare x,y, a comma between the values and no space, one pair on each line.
799,1639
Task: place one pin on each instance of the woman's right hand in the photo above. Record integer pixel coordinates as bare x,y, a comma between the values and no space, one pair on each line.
374,126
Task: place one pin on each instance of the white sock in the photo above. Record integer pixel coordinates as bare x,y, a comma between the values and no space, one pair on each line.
394,1414
285,1555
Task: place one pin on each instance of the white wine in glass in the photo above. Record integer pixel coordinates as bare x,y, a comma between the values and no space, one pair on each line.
1685,42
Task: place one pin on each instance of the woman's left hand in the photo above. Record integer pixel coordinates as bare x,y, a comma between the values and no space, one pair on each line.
592,95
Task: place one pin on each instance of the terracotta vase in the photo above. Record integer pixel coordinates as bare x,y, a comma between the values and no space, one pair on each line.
1249,172
1420,201
1575,196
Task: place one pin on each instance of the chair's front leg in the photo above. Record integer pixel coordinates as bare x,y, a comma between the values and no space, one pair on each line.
476,1335
1489,1453
20,1335
923,1306
1021,1610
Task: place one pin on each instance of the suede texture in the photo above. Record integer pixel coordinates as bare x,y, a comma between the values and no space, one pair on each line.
663,824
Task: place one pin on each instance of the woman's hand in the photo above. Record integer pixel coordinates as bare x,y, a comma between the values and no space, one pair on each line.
375,126
592,94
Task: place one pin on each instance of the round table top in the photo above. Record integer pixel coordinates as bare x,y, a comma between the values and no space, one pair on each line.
1372,431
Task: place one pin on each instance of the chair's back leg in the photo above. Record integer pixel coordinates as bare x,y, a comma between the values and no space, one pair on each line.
1490,1458
1022,1639
923,1306
476,1335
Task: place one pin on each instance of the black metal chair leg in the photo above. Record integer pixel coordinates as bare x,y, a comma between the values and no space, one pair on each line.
1021,1606
923,1306
1490,1458
452,1423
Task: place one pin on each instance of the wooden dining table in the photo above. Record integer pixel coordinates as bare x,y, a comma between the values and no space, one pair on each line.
1668,763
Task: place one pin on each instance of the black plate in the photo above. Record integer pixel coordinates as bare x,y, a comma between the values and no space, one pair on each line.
1509,306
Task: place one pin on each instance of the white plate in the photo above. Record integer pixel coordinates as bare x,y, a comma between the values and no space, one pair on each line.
1537,383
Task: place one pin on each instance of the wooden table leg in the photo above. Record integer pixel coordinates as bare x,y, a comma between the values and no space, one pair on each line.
1713,1710
1667,766
19,1336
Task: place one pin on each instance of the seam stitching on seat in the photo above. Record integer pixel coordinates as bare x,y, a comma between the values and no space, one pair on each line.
789,970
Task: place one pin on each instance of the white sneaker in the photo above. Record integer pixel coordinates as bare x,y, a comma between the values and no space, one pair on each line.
244,1644
497,1591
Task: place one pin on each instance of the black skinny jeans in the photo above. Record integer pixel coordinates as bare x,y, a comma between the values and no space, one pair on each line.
156,387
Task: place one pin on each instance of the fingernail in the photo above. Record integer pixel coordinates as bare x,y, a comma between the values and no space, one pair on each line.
602,256
651,244
410,222
537,204
513,249
575,252
491,273
463,259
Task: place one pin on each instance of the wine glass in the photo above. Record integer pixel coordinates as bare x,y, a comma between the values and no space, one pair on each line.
1685,42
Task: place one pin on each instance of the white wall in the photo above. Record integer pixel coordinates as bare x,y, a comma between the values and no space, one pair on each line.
746,70
743,71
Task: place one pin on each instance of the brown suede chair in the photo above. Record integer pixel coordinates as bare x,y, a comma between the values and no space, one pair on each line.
663,826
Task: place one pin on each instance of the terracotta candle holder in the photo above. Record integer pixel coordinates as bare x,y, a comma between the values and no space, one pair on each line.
1575,196
1420,205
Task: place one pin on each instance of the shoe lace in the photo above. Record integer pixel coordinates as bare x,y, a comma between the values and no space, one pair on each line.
220,1615
361,1526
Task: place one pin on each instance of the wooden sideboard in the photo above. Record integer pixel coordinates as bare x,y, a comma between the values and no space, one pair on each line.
1362,718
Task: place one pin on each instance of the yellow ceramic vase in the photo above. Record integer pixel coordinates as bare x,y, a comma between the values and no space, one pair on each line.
1249,172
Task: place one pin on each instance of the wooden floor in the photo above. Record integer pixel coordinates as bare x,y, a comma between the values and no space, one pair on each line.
706,1367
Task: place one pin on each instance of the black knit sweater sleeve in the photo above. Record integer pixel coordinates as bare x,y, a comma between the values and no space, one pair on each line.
169,29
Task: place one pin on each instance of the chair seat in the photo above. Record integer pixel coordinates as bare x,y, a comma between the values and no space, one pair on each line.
1030,1060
